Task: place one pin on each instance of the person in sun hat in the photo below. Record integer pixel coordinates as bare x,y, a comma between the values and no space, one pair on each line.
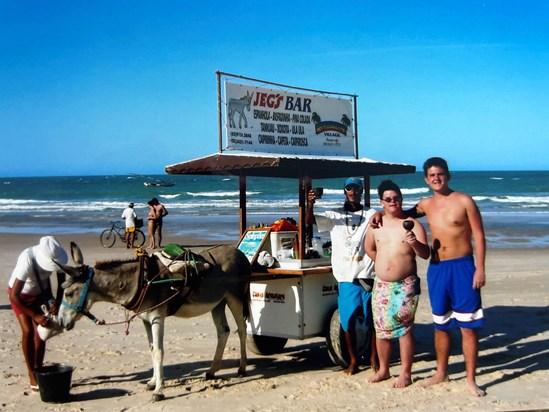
352,268
29,288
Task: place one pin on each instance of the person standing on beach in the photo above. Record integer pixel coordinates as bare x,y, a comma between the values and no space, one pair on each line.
29,288
151,224
158,212
352,268
454,278
395,295
129,215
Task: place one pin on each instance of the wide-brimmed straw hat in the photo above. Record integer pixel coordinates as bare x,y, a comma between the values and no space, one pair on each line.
47,251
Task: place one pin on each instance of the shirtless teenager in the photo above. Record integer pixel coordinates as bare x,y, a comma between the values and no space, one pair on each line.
453,278
396,288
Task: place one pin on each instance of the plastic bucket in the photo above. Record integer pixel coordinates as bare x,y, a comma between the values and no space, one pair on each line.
54,382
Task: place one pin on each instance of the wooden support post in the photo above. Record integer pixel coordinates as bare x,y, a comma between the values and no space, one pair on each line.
242,188
304,187
367,198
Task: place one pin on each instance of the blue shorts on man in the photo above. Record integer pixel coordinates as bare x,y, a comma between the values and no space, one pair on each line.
351,296
454,302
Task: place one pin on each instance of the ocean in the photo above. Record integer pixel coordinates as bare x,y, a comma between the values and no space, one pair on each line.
513,204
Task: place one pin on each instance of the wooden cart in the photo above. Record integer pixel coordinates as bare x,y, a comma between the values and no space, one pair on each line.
299,302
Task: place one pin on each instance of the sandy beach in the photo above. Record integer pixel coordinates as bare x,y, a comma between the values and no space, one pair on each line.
112,367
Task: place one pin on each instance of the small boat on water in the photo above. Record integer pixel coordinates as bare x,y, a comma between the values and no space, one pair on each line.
159,184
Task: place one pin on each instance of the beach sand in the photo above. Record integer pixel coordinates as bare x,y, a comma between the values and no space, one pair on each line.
112,367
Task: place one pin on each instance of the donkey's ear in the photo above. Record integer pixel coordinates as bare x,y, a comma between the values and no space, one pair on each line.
69,270
76,254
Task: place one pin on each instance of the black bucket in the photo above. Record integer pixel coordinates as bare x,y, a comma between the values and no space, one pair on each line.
54,382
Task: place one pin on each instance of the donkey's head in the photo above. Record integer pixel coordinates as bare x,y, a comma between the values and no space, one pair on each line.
76,301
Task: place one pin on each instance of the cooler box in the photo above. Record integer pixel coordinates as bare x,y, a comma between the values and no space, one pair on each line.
296,307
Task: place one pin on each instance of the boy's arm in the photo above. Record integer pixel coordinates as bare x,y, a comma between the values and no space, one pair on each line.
477,229
418,241
417,211
370,244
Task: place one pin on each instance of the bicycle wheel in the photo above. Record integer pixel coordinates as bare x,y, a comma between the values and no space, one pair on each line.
108,237
122,234
139,238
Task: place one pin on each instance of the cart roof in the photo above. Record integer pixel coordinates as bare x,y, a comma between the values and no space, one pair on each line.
286,166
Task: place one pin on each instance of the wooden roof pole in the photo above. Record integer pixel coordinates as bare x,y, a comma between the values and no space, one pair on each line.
242,188
367,198
304,187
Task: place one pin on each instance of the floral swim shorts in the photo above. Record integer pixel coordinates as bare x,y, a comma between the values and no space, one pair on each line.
394,306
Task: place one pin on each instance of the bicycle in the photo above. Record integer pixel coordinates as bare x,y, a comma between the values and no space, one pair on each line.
108,236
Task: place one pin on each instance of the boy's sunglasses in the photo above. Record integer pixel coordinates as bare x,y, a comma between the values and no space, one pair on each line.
395,199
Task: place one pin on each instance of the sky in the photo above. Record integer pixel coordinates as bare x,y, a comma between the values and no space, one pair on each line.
119,87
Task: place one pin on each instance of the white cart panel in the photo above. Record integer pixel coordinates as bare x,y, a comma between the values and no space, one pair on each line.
296,307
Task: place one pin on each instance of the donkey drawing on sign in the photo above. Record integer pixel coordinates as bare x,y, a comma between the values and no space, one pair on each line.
219,279
238,106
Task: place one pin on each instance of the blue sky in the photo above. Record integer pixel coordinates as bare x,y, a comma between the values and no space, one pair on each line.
117,87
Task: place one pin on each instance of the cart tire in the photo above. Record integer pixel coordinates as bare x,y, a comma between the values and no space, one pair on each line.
337,347
265,345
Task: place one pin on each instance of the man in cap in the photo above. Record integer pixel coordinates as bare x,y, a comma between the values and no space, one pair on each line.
29,288
351,267
129,215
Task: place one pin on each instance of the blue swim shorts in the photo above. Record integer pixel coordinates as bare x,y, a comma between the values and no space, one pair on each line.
454,302
352,296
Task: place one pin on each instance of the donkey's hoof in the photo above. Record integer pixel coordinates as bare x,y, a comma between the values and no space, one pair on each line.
242,373
209,376
151,386
158,397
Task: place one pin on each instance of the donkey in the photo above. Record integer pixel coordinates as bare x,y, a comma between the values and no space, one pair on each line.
238,106
221,279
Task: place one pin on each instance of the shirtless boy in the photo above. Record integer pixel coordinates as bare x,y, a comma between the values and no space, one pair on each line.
396,288
454,277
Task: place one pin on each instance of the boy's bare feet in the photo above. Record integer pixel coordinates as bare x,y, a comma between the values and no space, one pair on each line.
402,381
435,379
475,390
379,376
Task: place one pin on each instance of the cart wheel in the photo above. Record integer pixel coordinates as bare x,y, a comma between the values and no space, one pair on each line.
335,340
265,345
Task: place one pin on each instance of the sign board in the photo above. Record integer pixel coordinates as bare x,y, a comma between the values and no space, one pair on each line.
275,121
252,241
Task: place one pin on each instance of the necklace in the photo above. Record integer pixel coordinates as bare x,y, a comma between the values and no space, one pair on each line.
354,227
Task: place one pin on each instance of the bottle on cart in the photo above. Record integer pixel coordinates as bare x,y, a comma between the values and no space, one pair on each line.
317,245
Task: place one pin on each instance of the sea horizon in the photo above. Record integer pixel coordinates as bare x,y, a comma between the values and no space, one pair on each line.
514,204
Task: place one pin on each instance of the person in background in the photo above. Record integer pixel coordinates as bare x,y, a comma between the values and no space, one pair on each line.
160,212
151,224
454,278
129,215
395,296
352,268
29,288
